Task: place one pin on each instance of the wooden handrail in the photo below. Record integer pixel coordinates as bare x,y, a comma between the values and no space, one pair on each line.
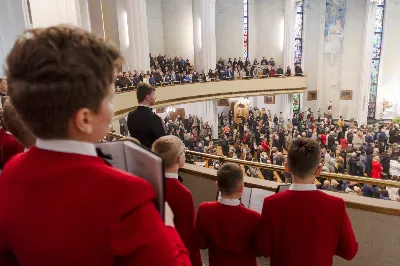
221,159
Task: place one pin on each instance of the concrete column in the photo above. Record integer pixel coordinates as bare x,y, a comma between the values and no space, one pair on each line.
365,78
133,34
50,13
95,9
211,111
12,24
289,34
204,34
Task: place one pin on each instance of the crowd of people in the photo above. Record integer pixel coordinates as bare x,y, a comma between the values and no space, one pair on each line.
346,148
169,71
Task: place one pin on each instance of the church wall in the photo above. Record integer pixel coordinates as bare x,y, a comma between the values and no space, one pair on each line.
352,55
313,43
335,22
389,78
178,28
269,22
229,28
155,27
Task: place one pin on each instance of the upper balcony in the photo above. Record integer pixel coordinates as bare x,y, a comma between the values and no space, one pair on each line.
125,102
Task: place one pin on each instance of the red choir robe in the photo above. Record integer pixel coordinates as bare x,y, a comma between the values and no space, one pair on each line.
62,205
228,230
180,200
9,146
304,226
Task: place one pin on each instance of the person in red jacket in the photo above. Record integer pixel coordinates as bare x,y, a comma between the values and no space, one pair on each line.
171,149
344,143
292,221
323,139
376,168
265,145
225,227
61,204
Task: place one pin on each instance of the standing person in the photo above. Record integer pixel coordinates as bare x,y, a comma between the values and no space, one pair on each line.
171,149
81,210
225,227
3,87
376,168
294,219
143,124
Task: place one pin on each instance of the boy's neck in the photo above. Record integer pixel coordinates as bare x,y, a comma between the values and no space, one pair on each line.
303,180
172,170
233,196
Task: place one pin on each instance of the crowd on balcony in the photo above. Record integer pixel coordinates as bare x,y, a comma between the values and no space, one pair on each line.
169,71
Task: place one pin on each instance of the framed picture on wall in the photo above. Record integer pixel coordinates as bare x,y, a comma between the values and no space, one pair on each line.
223,102
346,95
160,110
269,99
312,96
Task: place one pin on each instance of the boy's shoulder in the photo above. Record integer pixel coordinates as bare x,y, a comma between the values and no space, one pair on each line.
320,196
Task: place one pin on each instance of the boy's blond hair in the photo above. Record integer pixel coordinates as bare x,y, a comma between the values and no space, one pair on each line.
169,148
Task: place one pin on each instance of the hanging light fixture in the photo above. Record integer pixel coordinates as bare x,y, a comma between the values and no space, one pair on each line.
170,109
245,100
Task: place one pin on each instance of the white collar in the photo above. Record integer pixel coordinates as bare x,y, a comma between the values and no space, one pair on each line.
303,187
67,146
143,105
8,132
229,202
171,175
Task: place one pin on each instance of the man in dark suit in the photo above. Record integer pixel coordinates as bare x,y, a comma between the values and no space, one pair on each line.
143,124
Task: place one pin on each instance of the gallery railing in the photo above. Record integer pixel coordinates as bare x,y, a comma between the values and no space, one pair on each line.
277,168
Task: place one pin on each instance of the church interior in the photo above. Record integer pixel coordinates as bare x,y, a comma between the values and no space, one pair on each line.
259,103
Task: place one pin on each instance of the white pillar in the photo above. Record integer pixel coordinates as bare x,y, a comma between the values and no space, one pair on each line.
289,33
133,34
12,24
365,78
95,9
211,111
204,39
50,13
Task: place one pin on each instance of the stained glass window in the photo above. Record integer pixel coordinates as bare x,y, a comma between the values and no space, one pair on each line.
298,48
245,30
376,56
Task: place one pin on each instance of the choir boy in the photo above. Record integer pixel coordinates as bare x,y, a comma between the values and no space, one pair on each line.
9,145
225,227
171,149
304,226
61,204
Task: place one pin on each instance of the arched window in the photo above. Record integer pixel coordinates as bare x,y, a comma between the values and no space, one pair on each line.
298,49
376,57
245,30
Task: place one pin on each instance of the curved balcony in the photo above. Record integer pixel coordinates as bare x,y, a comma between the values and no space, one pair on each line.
125,102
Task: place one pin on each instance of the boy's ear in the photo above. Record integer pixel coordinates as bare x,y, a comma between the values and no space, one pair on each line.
216,184
82,121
